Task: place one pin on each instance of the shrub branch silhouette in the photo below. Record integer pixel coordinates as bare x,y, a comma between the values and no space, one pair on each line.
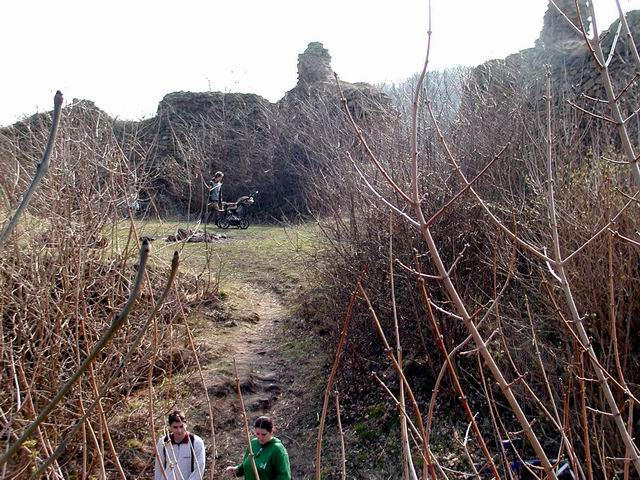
41,171
117,322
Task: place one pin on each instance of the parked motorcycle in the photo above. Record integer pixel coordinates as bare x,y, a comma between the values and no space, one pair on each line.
234,214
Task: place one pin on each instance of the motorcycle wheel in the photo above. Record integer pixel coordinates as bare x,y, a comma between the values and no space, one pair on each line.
223,223
244,224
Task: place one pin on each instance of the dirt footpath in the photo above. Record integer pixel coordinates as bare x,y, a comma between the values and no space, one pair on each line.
280,369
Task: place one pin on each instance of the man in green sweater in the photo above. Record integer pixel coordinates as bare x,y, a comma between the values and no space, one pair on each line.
272,459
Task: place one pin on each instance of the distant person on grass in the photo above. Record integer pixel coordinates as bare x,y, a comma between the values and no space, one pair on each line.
272,459
180,454
215,198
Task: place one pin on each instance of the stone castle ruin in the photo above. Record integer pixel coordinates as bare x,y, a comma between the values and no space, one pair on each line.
272,146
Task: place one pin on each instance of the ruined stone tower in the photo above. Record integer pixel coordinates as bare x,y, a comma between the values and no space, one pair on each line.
314,64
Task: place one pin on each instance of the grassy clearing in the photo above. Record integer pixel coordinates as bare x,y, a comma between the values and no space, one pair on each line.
263,256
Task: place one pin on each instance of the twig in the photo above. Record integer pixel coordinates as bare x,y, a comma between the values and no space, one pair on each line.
370,153
407,462
616,162
557,422
481,202
566,287
583,415
415,196
592,114
599,232
436,388
623,91
456,381
41,171
468,321
458,257
617,234
589,352
415,435
613,100
613,46
635,112
600,412
384,200
599,61
571,24
400,408
343,458
212,465
443,311
466,449
246,422
415,272
627,31
398,369
593,99
331,379
467,186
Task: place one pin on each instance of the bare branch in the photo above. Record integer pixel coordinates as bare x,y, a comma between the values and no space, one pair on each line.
41,171
245,421
624,90
458,257
594,115
364,143
415,272
635,112
617,234
467,186
384,200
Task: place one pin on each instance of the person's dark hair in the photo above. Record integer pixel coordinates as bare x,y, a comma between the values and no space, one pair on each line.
218,174
264,423
177,416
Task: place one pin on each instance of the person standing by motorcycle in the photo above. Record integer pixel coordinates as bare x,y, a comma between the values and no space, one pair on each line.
215,198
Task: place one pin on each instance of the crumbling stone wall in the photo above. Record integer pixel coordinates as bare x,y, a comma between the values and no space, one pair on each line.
497,88
556,31
259,145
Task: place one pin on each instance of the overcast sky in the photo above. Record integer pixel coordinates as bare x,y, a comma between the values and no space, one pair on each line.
125,55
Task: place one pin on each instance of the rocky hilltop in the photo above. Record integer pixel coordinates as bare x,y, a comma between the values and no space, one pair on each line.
274,147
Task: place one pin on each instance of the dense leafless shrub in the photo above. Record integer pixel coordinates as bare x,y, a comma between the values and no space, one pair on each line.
65,274
560,362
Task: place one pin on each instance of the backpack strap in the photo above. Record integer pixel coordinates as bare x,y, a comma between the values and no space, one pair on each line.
164,452
191,440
